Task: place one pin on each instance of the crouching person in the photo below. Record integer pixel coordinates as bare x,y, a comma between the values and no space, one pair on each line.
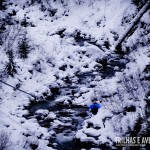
95,107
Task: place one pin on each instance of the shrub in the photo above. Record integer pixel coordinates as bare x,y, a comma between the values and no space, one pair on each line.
4,140
10,66
138,2
23,48
2,5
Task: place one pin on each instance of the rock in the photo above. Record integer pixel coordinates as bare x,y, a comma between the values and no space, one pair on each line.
52,133
92,132
95,52
90,125
55,144
66,102
55,90
63,99
33,142
130,108
51,116
57,123
77,95
42,112
116,68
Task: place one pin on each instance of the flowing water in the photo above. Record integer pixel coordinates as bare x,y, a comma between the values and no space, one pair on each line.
70,119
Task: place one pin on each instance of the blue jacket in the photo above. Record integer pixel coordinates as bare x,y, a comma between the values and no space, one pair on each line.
94,108
95,105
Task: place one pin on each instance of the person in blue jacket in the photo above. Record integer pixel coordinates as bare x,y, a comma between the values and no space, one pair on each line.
94,107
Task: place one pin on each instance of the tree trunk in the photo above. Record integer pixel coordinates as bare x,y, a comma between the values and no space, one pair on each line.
131,26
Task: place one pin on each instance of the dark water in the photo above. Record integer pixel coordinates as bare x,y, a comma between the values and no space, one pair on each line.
72,117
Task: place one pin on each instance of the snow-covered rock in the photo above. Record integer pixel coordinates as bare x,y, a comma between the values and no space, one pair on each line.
42,112
92,132
116,68
95,52
57,123
63,99
33,142
51,115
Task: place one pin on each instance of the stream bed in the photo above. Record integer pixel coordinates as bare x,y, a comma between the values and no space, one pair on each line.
64,124
65,120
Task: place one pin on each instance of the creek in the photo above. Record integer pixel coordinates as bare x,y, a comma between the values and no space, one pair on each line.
70,118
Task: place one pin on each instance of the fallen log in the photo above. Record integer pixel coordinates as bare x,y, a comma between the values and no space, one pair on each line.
134,22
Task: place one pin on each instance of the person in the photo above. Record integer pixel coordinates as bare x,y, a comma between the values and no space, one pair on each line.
94,107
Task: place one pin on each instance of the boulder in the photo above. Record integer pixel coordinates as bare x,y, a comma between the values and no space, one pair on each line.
42,112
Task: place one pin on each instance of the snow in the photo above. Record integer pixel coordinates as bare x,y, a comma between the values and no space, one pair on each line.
32,140
92,132
49,52
51,115
62,99
84,89
102,133
138,16
57,123
41,112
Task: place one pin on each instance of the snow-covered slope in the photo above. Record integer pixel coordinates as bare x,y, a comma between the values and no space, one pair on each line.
63,39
